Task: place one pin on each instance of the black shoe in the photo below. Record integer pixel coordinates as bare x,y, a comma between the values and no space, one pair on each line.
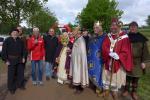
12,92
47,78
54,76
22,88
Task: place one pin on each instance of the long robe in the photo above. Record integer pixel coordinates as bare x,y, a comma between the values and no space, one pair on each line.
79,68
118,67
95,62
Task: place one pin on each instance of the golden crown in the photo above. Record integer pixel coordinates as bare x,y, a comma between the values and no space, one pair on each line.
98,23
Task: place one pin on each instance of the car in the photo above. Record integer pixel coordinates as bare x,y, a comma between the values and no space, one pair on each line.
2,39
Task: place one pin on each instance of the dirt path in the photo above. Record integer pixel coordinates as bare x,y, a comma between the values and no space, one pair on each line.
51,90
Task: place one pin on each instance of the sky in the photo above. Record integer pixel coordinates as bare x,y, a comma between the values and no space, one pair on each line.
67,10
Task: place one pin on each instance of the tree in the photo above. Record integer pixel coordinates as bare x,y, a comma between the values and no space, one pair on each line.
148,20
44,19
13,12
102,10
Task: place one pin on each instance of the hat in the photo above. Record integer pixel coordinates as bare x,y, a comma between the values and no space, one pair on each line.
117,22
14,30
133,24
97,23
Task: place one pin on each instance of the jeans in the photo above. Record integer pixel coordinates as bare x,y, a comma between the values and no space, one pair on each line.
36,70
49,69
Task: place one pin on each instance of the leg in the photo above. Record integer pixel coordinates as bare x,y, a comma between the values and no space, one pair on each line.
20,76
40,72
11,79
33,64
134,88
47,71
127,86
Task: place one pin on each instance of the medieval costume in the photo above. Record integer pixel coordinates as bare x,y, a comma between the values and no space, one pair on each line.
61,59
95,62
116,52
78,66
140,55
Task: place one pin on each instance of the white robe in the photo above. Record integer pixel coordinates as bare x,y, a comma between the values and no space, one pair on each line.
78,66
62,75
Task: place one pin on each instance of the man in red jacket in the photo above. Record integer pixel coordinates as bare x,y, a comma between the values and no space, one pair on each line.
36,48
117,57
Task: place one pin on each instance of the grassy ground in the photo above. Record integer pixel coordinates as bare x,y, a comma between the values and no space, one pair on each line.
2,67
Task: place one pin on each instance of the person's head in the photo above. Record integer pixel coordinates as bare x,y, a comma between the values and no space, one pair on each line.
14,33
133,26
51,31
115,26
76,31
36,31
85,32
20,30
64,39
97,28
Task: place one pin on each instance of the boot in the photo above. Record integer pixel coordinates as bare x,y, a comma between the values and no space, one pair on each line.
134,96
115,95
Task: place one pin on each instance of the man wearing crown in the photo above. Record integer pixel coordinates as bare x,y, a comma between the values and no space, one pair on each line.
94,57
117,57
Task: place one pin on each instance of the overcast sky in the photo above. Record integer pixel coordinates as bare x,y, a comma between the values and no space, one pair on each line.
66,10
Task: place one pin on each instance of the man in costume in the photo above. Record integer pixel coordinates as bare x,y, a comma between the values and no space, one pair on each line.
13,53
94,57
78,66
140,55
61,58
117,57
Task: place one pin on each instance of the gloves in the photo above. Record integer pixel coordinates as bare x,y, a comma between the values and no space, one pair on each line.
114,55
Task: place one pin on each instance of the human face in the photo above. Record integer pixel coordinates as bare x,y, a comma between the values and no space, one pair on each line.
97,29
133,29
114,28
51,32
20,31
36,33
14,34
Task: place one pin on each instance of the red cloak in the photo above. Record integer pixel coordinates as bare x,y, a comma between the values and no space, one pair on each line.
122,48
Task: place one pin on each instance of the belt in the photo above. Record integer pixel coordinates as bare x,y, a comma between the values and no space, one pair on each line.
13,56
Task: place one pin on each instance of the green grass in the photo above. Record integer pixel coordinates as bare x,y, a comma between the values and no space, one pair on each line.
2,67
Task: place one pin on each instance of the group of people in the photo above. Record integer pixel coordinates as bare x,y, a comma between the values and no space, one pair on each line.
105,61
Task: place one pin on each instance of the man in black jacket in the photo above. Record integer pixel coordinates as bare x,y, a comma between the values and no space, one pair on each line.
13,53
51,44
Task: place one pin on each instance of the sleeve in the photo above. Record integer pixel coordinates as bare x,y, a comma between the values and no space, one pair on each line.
24,51
105,50
43,49
30,44
145,53
4,51
125,55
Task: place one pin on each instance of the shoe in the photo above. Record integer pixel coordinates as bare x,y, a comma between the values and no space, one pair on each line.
47,78
115,95
125,93
78,91
12,92
22,88
40,83
34,83
134,96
